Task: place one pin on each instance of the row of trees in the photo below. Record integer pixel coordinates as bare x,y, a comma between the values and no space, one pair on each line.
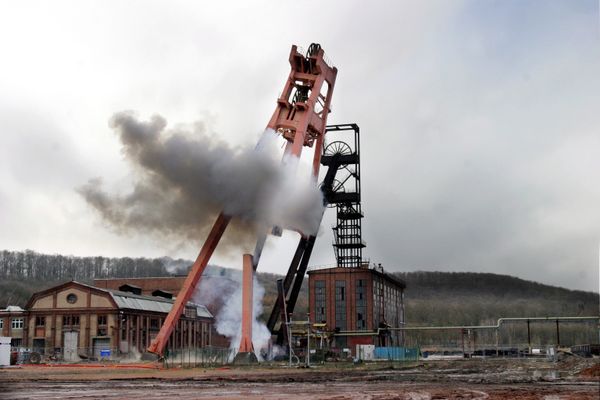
55,267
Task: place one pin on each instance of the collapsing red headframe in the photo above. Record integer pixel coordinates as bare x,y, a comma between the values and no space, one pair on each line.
302,108
300,117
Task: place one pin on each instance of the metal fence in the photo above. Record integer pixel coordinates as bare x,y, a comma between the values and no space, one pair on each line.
182,357
205,356
28,355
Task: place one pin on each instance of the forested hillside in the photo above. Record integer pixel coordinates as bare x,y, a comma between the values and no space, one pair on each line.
474,298
430,297
23,273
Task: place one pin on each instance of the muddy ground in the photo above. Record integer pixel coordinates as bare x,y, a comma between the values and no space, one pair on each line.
571,378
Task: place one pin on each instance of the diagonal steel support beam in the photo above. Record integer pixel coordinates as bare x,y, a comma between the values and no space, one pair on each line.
289,278
298,280
159,343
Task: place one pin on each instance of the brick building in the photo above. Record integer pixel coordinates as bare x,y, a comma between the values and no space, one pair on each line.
82,320
355,301
12,321
164,286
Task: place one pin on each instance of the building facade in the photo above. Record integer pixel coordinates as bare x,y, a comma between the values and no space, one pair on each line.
355,301
81,321
12,322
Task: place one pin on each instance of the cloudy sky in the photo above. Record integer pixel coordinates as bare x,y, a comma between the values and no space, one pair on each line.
479,121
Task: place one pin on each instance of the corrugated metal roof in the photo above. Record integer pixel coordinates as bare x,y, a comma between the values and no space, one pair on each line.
203,312
133,301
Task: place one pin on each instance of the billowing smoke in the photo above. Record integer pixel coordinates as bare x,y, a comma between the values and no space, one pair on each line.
224,292
185,176
176,267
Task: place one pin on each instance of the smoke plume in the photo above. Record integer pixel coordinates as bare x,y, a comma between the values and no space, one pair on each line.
185,177
224,293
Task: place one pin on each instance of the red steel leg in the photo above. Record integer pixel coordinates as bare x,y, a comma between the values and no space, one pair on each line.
158,344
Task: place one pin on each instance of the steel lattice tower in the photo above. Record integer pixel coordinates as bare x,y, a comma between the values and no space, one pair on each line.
345,196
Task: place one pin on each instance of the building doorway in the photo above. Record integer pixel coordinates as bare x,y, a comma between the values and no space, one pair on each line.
70,346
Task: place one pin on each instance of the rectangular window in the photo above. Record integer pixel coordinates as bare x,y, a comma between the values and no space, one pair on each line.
190,312
340,305
1,323
102,330
377,303
124,327
361,304
70,320
17,323
320,302
40,321
154,323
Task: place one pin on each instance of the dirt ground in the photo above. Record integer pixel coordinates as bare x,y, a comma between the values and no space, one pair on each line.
570,378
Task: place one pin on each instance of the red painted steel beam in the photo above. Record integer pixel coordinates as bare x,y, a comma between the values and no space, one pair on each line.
189,286
247,302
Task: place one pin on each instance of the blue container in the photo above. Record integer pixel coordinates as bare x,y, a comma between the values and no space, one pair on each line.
104,353
396,353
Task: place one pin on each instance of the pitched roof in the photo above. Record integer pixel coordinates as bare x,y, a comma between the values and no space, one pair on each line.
131,301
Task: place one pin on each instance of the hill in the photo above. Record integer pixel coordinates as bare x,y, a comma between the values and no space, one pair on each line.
431,298
434,298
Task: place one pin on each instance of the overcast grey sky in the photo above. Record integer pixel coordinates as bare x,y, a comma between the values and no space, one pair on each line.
479,121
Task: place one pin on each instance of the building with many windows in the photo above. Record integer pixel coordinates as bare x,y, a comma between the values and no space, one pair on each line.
79,321
355,301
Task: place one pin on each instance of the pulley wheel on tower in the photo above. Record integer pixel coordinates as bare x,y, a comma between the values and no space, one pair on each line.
337,148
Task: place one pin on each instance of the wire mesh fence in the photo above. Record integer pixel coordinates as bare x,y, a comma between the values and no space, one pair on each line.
511,339
187,357
204,356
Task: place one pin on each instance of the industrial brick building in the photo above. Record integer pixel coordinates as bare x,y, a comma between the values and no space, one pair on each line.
81,321
12,320
356,301
164,286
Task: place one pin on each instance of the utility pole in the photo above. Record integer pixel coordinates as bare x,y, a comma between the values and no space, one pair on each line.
289,331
